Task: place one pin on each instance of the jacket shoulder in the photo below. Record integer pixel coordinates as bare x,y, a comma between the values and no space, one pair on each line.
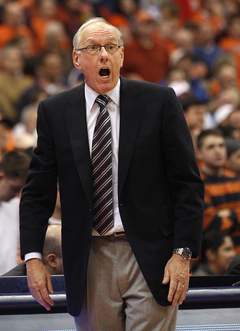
146,87
68,97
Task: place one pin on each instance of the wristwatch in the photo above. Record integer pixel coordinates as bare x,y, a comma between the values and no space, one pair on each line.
184,252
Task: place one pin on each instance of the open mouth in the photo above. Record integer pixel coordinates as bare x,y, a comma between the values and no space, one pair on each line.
104,73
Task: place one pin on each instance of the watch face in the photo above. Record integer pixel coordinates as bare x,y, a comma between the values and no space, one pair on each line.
187,254
184,252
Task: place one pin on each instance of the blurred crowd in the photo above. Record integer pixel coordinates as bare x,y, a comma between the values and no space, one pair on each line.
192,46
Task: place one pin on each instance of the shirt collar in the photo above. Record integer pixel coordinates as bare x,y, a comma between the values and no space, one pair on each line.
91,95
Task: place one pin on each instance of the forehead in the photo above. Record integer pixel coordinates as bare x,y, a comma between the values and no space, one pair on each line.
98,32
227,242
212,139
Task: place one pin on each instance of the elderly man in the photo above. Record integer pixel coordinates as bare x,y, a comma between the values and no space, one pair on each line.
131,194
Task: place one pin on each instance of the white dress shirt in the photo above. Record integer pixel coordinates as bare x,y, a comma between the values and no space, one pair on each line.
9,234
92,111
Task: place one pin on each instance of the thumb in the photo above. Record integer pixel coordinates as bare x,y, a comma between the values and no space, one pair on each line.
166,277
49,285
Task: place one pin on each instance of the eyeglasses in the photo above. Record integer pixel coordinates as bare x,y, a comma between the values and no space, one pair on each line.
96,49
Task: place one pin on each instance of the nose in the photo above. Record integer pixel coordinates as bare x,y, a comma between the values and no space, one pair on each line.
103,54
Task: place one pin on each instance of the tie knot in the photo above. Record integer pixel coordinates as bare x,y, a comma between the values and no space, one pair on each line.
102,100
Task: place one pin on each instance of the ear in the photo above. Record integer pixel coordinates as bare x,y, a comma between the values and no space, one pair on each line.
1,175
51,259
76,61
122,55
210,255
198,153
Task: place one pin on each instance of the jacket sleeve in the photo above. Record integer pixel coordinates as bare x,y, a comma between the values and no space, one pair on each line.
39,195
184,180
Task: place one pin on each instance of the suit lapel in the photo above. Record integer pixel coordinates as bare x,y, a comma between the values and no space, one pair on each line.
77,128
130,119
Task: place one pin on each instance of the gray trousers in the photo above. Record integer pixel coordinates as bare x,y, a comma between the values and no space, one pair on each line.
117,297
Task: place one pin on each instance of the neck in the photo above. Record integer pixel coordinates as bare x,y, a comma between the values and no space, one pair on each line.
57,214
215,270
212,171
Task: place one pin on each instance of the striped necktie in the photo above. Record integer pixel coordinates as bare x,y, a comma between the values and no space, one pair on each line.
102,169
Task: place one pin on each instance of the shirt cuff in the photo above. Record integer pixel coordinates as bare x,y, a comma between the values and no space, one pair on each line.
34,255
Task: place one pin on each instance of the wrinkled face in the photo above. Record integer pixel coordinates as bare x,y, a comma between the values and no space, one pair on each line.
101,70
213,151
10,188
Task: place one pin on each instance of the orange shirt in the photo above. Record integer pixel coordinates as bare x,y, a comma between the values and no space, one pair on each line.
8,33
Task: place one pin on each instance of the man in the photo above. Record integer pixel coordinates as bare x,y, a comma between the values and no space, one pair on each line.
233,155
217,253
52,254
13,172
194,111
222,192
154,205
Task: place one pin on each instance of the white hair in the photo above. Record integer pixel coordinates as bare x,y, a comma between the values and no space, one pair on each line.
78,35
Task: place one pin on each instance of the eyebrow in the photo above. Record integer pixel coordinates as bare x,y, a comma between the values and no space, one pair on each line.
93,41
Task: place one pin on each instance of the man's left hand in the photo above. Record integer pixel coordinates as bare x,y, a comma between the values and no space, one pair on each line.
176,273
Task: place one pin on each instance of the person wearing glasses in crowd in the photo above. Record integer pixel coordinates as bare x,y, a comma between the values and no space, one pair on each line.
131,210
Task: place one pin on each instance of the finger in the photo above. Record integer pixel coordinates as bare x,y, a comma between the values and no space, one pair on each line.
166,277
176,294
172,290
41,294
183,295
179,294
38,296
49,285
46,297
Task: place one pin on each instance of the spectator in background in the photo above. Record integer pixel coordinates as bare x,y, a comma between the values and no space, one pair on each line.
211,11
206,49
57,215
13,82
6,136
217,253
224,79
194,112
234,267
14,23
152,61
45,12
73,13
52,254
49,78
233,121
56,40
225,103
233,155
25,133
222,192
184,44
13,172
231,42
225,76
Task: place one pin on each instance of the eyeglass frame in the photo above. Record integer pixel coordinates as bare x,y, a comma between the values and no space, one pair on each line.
81,49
